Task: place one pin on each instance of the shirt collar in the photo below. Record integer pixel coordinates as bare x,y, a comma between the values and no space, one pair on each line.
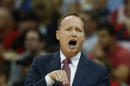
74,59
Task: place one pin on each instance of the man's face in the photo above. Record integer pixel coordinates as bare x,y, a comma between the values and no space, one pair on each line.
104,39
71,35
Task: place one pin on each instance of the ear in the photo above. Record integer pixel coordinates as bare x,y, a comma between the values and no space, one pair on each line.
57,34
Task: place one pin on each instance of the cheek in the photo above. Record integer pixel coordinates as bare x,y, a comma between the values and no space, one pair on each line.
63,40
65,33
64,36
81,39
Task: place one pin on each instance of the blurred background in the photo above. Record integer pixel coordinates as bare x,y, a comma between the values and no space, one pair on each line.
28,29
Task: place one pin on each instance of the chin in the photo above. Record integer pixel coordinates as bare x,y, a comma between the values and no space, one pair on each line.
74,52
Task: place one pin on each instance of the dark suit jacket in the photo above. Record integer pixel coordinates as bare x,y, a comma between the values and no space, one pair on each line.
88,72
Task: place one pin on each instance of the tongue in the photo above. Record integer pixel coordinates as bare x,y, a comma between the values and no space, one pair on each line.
72,44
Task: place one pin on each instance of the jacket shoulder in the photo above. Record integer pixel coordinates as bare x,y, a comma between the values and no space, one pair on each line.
44,58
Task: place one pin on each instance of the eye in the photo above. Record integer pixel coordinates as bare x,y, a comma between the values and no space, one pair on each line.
68,29
78,30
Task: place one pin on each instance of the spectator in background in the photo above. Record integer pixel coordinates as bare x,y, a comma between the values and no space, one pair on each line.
57,6
117,55
4,66
27,5
65,8
75,7
7,31
121,20
3,75
114,4
86,5
105,62
121,13
123,31
2,59
111,5
34,45
48,16
101,10
24,5
11,6
27,21
91,35
25,66
8,4
34,42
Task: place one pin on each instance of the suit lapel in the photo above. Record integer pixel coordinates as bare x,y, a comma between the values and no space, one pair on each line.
55,62
81,71
55,65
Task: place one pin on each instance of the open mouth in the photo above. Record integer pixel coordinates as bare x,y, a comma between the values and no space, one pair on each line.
72,43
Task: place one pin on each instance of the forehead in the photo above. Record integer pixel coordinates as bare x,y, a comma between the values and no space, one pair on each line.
72,21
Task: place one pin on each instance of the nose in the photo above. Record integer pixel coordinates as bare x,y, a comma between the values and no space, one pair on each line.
73,33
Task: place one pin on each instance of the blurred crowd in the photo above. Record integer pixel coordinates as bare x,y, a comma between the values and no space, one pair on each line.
28,29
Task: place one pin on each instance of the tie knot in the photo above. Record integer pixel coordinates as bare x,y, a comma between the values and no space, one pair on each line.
67,60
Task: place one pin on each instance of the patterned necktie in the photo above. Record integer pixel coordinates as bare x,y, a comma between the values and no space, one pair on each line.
66,67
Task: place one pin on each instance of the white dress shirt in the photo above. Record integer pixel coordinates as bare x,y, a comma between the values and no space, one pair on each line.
73,68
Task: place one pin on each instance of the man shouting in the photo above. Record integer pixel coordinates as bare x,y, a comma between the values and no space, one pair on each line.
67,67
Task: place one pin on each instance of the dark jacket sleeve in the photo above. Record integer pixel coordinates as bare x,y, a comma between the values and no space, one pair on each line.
104,78
34,77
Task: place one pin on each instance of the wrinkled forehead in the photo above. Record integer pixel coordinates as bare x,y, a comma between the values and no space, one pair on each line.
70,21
